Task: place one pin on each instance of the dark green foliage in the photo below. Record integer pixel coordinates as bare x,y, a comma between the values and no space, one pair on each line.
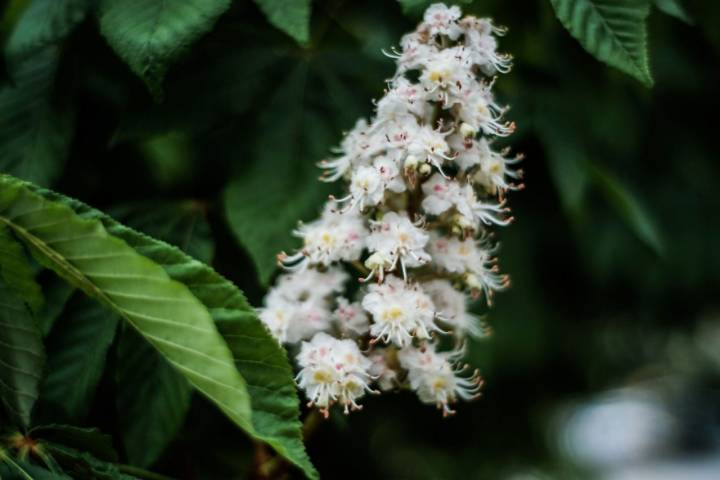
152,400
21,357
199,123
76,353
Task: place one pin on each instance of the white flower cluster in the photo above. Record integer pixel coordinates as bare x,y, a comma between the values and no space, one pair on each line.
424,187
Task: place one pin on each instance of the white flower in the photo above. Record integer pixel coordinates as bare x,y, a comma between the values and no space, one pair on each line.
436,378
299,305
482,45
471,258
397,240
426,150
429,145
369,184
352,151
277,315
478,109
415,50
333,371
404,98
441,194
332,237
351,318
400,312
447,75
452,309
385,376
442,20
494,172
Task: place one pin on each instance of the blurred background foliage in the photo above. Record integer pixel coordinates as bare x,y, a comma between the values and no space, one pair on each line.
614,308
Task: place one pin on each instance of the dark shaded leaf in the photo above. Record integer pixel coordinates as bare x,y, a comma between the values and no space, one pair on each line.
150,35
35,137
290,16
131,285
258,356
90,440
17,272
152,399
283,180
44,23
614,31
76,350
21,357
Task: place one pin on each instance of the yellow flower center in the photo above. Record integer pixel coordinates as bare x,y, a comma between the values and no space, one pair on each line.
392,314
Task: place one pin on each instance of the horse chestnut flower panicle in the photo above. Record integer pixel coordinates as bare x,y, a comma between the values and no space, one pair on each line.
424,187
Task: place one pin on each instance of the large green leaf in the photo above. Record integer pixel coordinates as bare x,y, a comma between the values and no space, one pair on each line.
21,357
35,135
290,16
281,187
614,31
163,310
17,272
76,350
149,34
152,399
44,23
260,359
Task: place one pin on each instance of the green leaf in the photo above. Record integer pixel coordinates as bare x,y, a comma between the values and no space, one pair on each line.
35,135
150,35
163,310
182,224
76,350
82,465
44,23
630,210
57,293
290,16
260,359
21,357
258,356
614,31
152,399
281,187
674,8
17,272
17,470
90,440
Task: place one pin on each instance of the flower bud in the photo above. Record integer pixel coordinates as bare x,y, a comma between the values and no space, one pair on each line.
425,169
378,261
472,281
467,131
411,162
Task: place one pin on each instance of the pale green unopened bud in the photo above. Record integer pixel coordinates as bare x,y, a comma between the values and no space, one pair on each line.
467,131
411,162
377,261
425,169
